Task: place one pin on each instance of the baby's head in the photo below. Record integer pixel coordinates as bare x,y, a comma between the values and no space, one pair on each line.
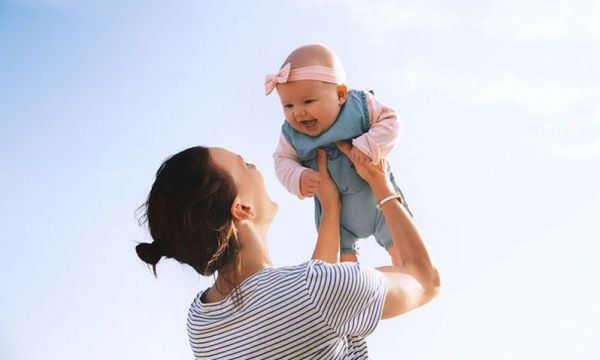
311,86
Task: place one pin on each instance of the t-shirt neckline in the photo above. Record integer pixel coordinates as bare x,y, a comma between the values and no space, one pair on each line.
227,298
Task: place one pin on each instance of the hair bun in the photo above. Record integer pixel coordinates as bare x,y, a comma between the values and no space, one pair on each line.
149,253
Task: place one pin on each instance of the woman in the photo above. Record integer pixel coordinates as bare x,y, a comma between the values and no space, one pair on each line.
209,209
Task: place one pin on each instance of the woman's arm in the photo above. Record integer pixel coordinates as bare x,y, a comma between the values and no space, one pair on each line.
412,280
328,241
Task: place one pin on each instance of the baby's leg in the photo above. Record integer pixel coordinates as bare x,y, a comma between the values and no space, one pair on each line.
349,251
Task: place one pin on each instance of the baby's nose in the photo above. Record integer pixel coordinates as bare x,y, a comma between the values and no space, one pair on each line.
300,111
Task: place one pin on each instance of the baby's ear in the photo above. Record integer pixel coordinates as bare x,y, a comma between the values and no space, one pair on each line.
342,92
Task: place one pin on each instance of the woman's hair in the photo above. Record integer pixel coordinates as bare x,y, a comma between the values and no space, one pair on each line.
188,214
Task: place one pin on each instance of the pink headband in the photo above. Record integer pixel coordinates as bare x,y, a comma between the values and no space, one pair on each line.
316,72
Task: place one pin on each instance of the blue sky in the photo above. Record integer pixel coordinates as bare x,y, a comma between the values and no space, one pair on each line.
499,161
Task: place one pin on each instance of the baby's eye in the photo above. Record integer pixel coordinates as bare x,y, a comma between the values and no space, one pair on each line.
309,101
288,106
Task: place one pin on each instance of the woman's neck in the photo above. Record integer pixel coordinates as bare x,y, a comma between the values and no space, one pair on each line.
253,257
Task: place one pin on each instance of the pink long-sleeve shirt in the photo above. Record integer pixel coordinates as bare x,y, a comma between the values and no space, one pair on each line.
376,143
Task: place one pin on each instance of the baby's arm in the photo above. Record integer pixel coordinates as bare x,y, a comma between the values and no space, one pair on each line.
297,179
383,135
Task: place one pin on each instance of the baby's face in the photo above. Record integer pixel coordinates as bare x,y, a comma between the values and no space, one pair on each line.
311,106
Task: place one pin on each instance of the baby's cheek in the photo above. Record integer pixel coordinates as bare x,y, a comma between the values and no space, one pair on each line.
289,118
295,126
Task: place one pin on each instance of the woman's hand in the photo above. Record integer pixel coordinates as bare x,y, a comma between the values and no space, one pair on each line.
327,192
359,156
374,175
328,241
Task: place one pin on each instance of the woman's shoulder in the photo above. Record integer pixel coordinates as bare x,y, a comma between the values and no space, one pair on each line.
311,272
319,266
308,266
344,277
262,279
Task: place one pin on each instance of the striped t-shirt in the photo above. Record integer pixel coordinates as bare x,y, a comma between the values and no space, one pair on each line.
314,310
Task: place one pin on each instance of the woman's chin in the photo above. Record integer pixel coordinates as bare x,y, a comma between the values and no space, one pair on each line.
274,209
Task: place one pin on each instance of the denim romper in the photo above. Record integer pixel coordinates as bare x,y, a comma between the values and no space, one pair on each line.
359,217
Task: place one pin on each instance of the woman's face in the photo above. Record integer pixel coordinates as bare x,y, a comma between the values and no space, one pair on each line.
249,183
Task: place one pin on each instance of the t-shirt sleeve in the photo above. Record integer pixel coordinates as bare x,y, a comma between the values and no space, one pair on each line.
348,296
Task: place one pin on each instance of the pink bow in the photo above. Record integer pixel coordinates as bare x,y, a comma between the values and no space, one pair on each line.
271,80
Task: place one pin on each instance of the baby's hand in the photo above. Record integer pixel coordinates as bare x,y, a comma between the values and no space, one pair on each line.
359,157
309,182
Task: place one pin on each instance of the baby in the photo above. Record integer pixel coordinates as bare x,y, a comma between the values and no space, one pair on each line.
320,110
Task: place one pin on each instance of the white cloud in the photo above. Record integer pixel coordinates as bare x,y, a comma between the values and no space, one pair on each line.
386,16
541,96
594,24
411,79
44,3
582,151
524,19
536,97
536,19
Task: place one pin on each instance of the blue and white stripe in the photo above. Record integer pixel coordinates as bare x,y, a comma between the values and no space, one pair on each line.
313,310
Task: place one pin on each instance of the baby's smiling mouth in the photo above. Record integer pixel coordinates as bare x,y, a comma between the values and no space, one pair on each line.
309,124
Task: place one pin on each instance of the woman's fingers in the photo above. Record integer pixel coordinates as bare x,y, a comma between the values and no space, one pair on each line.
364,168
366,160
347,150
327,192
322,163
344,147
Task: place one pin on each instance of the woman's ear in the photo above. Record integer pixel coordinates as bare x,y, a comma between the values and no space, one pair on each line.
240,211
342,92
